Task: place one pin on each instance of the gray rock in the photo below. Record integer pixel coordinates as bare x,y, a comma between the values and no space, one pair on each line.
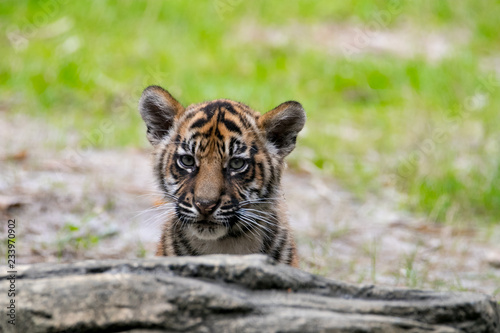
226,294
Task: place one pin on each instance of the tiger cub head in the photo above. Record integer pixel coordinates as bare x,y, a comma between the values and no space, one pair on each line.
218,162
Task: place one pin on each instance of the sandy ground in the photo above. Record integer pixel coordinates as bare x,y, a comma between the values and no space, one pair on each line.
73,203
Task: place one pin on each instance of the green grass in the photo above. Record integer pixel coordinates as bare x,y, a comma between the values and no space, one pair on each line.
71,239
374,121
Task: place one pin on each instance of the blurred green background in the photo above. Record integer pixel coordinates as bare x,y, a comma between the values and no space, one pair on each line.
402,97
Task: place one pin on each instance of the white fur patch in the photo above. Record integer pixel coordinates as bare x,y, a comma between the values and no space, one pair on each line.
207,232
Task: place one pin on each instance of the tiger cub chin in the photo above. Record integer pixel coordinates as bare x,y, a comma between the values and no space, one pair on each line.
219,166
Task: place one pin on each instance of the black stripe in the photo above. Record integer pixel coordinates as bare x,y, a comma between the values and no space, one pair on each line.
241,148
226,207
270,177
249,176
290,254
232,142
253,149
218,134
243,119
231,126
269,239
160,170
278,250
199,123
175,244
174,167
184,211
189,115
210,109
239,190
185,243
185,145
236,232
221,147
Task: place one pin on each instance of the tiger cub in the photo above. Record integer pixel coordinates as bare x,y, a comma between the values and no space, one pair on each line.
219,167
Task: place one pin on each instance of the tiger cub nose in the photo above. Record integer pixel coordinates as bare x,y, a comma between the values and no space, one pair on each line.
205,207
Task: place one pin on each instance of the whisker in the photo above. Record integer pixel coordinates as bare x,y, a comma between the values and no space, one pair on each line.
158,219
259,211
270,221
259,201
160,208
249,225
261,219
247,213
253,222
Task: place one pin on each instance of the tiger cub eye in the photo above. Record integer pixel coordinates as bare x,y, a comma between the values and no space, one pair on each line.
237,163
187,160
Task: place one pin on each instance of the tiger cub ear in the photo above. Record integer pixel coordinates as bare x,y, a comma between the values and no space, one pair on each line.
158,110
282,124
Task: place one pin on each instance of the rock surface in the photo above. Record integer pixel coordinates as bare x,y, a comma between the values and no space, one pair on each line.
226,294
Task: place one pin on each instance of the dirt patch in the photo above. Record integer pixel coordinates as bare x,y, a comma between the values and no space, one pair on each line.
354,40
72,203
